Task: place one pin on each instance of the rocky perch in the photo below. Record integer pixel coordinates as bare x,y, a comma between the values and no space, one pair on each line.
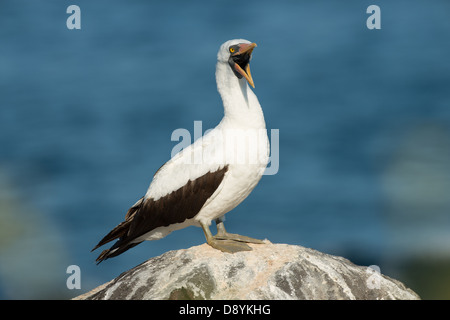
270,271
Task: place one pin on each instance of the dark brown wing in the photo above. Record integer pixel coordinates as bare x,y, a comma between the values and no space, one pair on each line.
148,214
122,228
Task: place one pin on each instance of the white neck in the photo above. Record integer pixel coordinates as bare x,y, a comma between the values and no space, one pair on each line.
241,106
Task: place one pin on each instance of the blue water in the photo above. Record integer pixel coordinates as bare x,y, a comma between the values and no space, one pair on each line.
86,118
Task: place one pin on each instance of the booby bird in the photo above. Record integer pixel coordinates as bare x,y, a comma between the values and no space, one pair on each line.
195,190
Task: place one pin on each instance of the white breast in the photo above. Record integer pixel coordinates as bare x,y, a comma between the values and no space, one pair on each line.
239,141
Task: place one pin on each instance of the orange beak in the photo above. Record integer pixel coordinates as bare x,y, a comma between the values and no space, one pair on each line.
245,49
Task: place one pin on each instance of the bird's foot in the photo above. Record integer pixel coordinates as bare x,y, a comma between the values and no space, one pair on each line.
227,242
227,245
237,237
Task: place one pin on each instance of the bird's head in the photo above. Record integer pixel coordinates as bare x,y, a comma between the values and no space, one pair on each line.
238,53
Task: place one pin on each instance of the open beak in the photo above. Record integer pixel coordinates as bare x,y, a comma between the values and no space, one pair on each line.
242,61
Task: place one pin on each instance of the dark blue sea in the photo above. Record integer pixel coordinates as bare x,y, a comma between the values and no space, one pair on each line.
86,118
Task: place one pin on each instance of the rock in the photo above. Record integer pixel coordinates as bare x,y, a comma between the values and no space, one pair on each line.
270,271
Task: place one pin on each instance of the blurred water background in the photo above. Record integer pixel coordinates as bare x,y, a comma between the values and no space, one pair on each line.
86,118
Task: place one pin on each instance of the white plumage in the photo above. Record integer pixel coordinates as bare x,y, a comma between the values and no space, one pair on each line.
238,145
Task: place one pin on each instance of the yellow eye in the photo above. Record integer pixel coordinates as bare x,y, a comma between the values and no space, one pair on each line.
231,50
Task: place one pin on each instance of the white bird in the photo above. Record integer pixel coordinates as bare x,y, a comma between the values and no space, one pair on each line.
211,176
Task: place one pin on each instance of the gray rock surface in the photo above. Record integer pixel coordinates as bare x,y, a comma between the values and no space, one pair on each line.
270,271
